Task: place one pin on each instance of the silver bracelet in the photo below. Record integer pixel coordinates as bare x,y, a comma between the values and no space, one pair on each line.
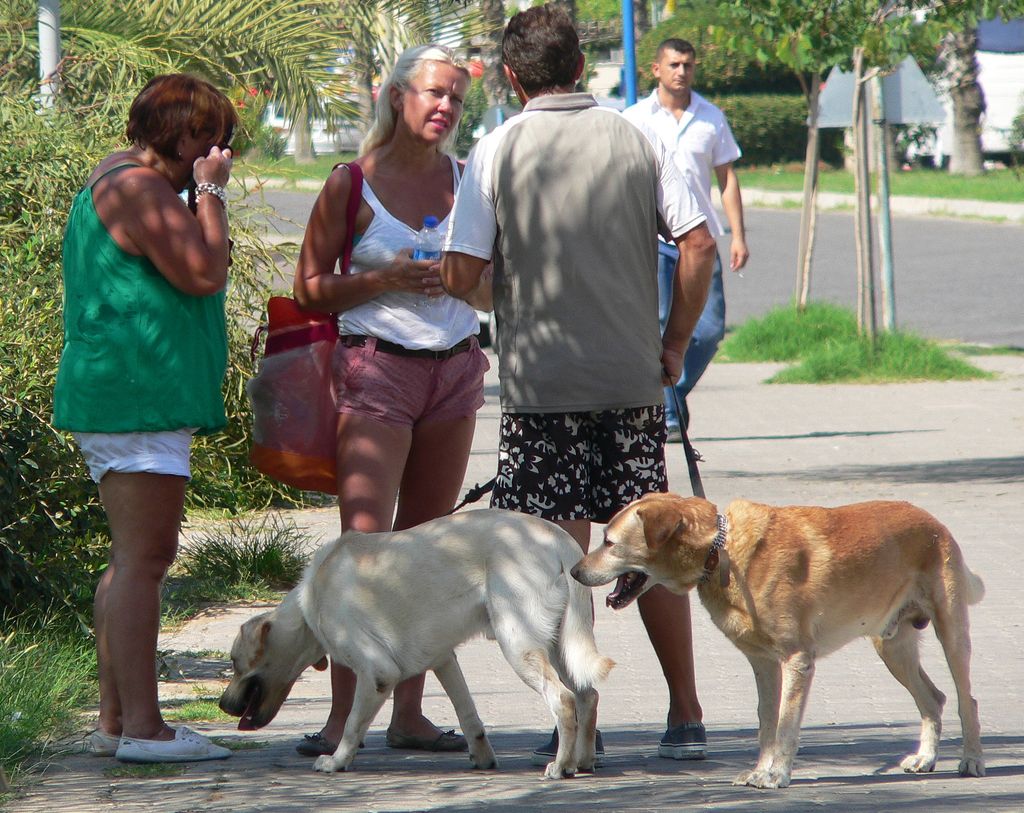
207,188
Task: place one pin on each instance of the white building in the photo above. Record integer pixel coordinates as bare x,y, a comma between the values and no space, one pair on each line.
1001,76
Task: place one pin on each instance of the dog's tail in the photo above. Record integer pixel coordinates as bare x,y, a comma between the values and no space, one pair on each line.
584,664
975,587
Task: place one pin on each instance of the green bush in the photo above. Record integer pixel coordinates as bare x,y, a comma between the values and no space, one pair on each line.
51,527
46,678
49,518
719,70
472,113
252,133
772,129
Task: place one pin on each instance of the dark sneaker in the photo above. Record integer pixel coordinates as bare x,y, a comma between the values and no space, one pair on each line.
686,741
543,755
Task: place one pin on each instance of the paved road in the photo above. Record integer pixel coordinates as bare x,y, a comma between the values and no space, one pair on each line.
955,278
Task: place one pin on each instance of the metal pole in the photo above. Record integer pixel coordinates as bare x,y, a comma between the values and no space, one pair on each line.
629,53
884,216
49,50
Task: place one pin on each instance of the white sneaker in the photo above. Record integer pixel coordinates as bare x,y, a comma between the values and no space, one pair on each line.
101,744
187,746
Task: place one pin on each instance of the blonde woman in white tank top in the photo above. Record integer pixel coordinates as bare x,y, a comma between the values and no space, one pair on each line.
409,368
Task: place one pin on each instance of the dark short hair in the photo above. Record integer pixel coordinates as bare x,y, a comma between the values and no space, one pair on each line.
674,44
542,47
175,104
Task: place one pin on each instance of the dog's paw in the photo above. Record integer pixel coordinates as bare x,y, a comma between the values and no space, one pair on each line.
328,764
483,758
555,771
763,778
971,766
918,763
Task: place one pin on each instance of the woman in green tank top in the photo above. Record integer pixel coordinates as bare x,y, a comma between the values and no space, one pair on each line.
144,355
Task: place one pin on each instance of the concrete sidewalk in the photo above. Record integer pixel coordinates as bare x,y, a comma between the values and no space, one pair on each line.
956,449
898,205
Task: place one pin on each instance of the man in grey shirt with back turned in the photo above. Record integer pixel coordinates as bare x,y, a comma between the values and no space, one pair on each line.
566,199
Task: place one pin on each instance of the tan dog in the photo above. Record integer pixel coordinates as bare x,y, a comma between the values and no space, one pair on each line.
789,585
392,605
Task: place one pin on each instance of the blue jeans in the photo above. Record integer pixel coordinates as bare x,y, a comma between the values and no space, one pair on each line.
706,335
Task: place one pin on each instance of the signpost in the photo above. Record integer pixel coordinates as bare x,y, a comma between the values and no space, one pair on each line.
629,53
901,97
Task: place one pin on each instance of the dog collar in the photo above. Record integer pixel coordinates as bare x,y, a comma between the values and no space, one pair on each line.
718,556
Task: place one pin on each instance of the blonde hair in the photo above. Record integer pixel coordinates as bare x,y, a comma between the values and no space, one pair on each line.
407,67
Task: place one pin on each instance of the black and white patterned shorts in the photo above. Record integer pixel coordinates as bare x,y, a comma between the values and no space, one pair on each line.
580,465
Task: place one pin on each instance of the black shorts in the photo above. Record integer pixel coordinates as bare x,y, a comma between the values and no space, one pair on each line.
580,465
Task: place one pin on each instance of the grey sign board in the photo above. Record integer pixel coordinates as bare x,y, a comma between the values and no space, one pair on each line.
909,98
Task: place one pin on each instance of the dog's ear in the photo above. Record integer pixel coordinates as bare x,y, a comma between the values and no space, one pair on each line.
321,664
660,526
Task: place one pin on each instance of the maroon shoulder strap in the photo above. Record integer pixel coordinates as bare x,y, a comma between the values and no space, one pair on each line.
355,196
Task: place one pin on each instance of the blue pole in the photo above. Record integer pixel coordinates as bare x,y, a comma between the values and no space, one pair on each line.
629,52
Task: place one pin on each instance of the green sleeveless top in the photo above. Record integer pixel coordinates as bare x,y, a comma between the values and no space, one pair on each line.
139,355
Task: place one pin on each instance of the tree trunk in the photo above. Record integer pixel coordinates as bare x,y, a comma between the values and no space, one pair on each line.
808,214
363,68
959,53
495,85
866,319
302,132
641,17
569,6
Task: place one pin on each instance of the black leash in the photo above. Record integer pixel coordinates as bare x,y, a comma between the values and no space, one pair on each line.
692,456
475,493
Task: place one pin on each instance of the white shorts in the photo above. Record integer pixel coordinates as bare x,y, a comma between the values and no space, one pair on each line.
128,452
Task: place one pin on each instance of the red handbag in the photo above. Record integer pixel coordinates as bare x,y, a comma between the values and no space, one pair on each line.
293,396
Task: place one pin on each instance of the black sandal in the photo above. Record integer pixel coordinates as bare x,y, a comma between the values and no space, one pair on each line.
315,745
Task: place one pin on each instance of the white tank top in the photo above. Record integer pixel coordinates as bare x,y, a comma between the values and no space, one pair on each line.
411,320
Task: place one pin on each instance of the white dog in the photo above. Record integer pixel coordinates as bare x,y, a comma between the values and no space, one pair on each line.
392,605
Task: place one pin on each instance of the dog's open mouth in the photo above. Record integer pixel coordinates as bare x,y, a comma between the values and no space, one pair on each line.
627,587
254,693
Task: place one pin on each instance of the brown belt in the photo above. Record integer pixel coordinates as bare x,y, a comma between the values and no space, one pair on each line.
398,350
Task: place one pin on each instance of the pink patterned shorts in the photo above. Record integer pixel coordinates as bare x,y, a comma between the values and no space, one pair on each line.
409,391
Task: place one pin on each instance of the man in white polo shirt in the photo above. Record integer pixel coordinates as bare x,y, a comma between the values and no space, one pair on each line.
566,199
697,135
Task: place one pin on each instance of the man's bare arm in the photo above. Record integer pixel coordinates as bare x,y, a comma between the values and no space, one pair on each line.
460,274
697,251
732,203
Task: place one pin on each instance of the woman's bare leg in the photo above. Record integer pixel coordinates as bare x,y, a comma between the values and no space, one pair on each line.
144,511
433,478
371,458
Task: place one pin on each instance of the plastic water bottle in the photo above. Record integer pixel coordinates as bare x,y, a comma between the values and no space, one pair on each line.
427,245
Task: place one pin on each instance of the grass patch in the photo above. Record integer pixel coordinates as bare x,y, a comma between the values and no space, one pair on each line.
200,710
242,745
1000,185
785,334
986,350
287,169
823,340
247,559
148,770
46,676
